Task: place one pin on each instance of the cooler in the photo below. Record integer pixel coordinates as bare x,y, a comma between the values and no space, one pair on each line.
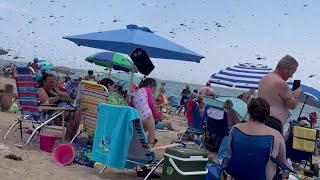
182,163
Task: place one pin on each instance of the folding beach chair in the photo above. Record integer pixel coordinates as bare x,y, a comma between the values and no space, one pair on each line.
72,88
28,97
248,156
216,127
195,122
122,124
300,147
89,96
174,105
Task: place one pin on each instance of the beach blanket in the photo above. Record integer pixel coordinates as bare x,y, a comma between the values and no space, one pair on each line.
114,132
215,113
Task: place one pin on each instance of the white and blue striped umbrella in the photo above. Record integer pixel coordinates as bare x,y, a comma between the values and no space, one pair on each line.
244,76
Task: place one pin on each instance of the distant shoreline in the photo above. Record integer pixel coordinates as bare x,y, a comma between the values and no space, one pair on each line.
83,71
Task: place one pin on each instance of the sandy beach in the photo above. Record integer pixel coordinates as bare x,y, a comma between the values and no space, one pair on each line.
39,165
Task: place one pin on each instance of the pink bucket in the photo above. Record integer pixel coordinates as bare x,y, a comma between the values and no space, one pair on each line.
63,154
47,142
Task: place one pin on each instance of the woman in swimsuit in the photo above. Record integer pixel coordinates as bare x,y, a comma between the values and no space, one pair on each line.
49,95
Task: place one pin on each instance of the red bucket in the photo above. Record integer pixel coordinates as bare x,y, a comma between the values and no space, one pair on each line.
63,154
47,142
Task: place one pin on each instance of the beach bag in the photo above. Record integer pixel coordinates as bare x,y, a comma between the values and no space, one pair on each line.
83,155
215,171
142,61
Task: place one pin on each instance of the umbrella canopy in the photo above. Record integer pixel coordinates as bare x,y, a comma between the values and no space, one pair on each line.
3,51
244,76
310,96
63,70
112,60
45,65
239,106
127,40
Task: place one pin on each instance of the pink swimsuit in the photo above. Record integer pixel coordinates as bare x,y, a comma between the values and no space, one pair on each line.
144,103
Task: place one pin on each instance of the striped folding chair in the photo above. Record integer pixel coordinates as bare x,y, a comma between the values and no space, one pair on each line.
89,96
28,97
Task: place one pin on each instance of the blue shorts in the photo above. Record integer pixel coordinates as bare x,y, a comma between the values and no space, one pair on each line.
160,125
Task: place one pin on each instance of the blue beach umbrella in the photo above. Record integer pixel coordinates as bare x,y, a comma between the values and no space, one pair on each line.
239,106
309,96
127,40
243,76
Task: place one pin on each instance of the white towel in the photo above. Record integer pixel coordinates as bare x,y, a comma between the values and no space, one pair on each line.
215,113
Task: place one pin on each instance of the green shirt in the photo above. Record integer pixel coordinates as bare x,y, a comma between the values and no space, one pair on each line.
116,99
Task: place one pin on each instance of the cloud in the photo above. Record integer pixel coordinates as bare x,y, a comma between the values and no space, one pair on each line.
10,7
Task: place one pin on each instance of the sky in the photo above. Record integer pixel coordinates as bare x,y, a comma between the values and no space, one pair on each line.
226,32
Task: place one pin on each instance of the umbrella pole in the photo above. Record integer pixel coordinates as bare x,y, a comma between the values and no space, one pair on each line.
305,101
131,81
110,73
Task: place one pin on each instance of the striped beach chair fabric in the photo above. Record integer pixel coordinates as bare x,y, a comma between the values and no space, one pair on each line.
29,101
89,96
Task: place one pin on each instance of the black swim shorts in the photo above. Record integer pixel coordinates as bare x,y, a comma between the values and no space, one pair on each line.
274,123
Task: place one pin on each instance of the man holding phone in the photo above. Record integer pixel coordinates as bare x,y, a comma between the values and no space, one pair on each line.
274,88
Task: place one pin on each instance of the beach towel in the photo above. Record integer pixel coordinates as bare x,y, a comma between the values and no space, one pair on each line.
223,149
215,113
116,99
304,139
114,132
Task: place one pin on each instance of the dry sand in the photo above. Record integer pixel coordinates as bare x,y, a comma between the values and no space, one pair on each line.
39,165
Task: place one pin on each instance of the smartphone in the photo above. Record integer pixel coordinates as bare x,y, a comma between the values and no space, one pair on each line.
296,84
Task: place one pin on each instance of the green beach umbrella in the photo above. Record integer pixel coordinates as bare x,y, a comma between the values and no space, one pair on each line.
112,60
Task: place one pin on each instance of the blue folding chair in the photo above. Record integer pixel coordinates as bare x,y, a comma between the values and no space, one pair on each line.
217,128
195,122
249,156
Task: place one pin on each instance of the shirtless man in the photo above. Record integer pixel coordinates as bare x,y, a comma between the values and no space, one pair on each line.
274,88
207,91
35,65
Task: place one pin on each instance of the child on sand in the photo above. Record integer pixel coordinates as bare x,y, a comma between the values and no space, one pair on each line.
144,103
7,100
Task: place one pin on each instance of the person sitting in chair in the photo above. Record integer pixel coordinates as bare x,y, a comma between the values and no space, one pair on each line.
259,110
49,95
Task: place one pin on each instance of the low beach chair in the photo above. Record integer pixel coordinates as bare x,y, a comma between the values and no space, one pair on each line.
89,96
248,156
216,127
300,147
122,124
28,97
174,105
195,122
